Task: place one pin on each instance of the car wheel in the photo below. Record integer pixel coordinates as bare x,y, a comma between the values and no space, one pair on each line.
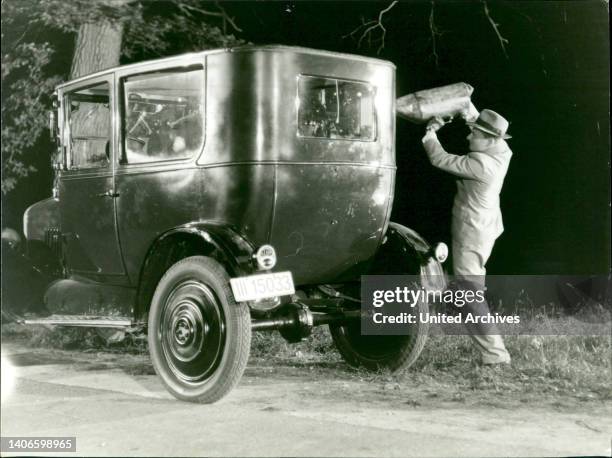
199,337
394,353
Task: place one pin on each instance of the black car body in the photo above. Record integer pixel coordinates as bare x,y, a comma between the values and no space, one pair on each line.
214,155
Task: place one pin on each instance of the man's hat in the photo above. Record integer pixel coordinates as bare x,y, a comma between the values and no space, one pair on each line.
491,123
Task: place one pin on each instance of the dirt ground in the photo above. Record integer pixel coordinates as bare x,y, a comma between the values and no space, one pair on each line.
115,405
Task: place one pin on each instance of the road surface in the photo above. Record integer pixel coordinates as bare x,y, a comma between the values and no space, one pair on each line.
116,406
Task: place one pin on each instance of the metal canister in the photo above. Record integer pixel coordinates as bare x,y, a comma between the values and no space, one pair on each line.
445,102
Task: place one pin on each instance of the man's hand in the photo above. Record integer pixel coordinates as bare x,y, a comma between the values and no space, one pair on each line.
435,124
470,114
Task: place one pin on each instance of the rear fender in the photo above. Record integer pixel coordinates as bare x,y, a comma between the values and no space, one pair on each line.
218,241
403,251
409,239
229,247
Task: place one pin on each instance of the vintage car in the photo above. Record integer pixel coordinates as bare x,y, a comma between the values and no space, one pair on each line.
206,196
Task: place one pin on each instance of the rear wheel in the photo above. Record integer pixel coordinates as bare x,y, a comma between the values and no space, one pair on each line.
199,337
395,353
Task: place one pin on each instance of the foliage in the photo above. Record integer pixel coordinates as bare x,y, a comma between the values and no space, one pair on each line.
23,108
36,35
184,27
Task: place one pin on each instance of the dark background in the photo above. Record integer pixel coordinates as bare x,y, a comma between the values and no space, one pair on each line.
553,86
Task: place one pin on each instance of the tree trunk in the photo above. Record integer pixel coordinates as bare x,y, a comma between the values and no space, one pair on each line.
98,46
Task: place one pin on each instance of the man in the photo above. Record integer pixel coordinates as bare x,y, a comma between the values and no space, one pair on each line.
477,219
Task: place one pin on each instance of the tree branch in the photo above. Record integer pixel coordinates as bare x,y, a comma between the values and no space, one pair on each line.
367,29
495,26
435,32
188,9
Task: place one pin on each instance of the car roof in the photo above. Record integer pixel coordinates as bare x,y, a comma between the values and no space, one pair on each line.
239,49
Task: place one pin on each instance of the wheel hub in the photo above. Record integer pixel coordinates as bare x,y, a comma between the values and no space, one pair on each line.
183,331
192,330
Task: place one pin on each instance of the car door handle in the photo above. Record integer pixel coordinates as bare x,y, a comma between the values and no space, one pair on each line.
110,193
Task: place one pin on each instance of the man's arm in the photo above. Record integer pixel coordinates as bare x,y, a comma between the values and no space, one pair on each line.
461,166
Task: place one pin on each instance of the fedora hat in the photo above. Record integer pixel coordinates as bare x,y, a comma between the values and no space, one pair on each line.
492,123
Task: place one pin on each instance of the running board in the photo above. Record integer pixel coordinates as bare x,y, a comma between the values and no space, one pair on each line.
81,321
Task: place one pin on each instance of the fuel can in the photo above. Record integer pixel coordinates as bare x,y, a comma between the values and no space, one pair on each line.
445,102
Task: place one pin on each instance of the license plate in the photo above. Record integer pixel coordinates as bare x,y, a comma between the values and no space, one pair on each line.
262,286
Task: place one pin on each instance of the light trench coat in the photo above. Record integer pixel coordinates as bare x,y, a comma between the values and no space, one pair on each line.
477,219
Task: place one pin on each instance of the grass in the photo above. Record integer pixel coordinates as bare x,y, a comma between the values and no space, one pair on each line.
79,339
556,369
567,366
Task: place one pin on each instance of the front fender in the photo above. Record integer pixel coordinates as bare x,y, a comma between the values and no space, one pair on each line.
39,218
44,243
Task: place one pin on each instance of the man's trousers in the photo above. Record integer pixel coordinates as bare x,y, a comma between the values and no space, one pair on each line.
469,269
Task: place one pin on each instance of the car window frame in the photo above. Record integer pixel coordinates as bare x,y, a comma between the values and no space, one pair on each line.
348,80
165,66
65,132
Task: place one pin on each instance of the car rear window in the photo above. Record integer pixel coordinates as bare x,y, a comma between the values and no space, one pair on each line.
336,109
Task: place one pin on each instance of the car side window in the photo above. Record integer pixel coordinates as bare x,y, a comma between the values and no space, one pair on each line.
89,120
163,115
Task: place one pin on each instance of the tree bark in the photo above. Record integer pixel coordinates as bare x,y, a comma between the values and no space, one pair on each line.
98,46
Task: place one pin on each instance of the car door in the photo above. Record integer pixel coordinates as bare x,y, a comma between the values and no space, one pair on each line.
86,188
161,134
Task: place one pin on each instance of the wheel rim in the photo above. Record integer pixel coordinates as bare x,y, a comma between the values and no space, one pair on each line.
192,331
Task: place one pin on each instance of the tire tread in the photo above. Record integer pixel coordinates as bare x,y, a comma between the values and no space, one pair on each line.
239,345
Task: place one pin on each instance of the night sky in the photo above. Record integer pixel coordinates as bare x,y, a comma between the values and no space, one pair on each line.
553,86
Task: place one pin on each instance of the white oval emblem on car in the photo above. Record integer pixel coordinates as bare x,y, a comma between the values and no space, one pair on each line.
266,257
